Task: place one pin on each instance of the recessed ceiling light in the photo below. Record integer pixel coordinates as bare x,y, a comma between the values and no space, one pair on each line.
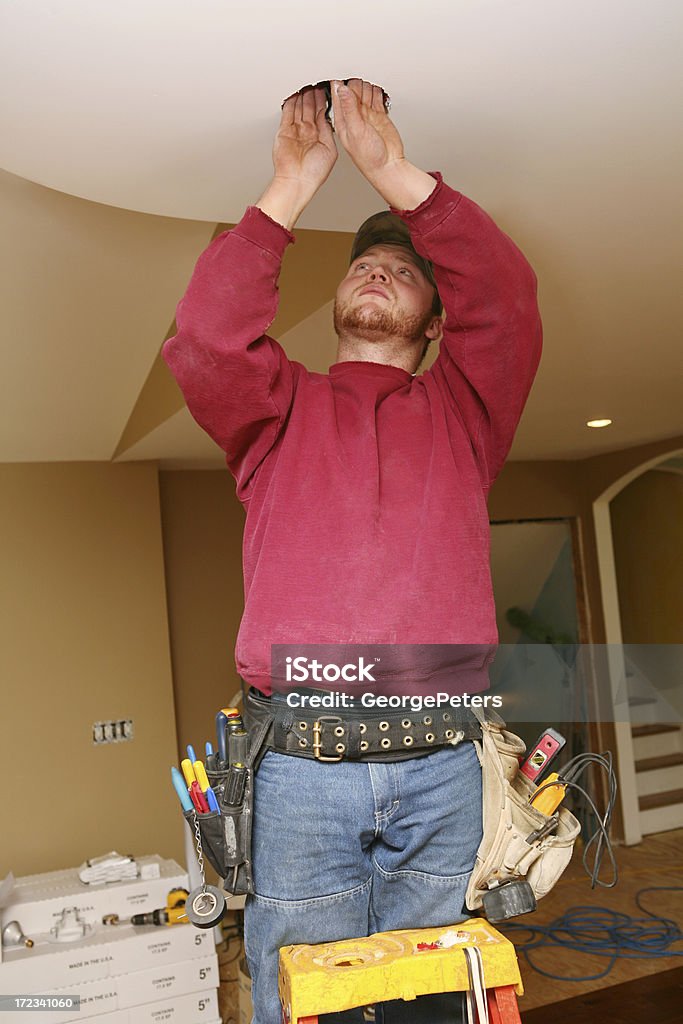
598,423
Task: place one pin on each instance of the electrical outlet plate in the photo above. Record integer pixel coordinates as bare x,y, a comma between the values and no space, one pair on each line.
114,730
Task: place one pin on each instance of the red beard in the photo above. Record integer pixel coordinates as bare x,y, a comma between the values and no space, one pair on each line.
376,324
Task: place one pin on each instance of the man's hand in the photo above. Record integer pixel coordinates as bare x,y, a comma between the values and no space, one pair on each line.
304,153
366,131
372,141
304,148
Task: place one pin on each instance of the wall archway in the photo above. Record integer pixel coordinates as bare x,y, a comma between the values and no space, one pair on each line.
609,594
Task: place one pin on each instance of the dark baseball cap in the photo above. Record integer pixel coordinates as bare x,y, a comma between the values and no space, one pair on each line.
385,228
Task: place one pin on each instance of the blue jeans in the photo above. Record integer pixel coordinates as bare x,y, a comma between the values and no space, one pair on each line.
347,849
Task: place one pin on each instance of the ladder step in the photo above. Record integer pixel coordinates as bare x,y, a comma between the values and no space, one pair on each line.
502,1003
328,977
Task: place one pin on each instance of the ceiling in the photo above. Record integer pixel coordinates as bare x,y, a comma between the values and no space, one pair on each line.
128,132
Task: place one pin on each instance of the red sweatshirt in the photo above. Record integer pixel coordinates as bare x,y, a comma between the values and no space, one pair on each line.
365,489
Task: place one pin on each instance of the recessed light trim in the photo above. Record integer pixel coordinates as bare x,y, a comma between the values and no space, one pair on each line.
598,423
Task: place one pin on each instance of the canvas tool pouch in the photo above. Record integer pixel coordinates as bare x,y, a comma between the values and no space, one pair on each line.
509,818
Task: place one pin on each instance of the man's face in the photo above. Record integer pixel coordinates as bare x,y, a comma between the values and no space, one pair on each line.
385,293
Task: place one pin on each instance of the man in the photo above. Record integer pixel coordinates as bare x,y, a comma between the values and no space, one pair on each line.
365,493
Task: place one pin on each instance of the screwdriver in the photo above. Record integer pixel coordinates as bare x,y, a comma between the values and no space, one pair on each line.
172,913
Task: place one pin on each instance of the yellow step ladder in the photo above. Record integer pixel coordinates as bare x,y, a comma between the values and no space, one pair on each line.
336,976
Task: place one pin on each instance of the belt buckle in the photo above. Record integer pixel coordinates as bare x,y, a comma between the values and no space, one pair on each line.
317,740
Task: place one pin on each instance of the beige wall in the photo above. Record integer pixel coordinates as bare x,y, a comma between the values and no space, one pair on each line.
597,475
83,637
647,526
202,528
548,490
536,490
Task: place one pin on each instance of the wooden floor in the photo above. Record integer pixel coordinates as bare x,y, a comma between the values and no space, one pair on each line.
658,860
656,999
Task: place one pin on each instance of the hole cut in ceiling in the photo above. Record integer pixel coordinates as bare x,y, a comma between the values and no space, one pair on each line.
326,85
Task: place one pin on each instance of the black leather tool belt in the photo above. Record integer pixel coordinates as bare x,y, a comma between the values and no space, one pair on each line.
358,735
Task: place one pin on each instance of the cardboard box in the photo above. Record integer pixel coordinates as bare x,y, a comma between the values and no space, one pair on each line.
107,952
244,987
37,901
124,991
191,1008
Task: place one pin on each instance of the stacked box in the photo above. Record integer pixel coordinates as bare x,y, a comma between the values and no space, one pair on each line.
244,988
37,901
191,1008
107,953
121,974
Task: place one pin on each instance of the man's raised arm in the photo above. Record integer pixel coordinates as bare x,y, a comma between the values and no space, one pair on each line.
238,382
492,335
304,154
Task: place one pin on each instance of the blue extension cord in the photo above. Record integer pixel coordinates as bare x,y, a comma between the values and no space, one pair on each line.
604,932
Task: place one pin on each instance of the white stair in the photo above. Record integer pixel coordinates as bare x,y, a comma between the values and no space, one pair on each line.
656,740
658,751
